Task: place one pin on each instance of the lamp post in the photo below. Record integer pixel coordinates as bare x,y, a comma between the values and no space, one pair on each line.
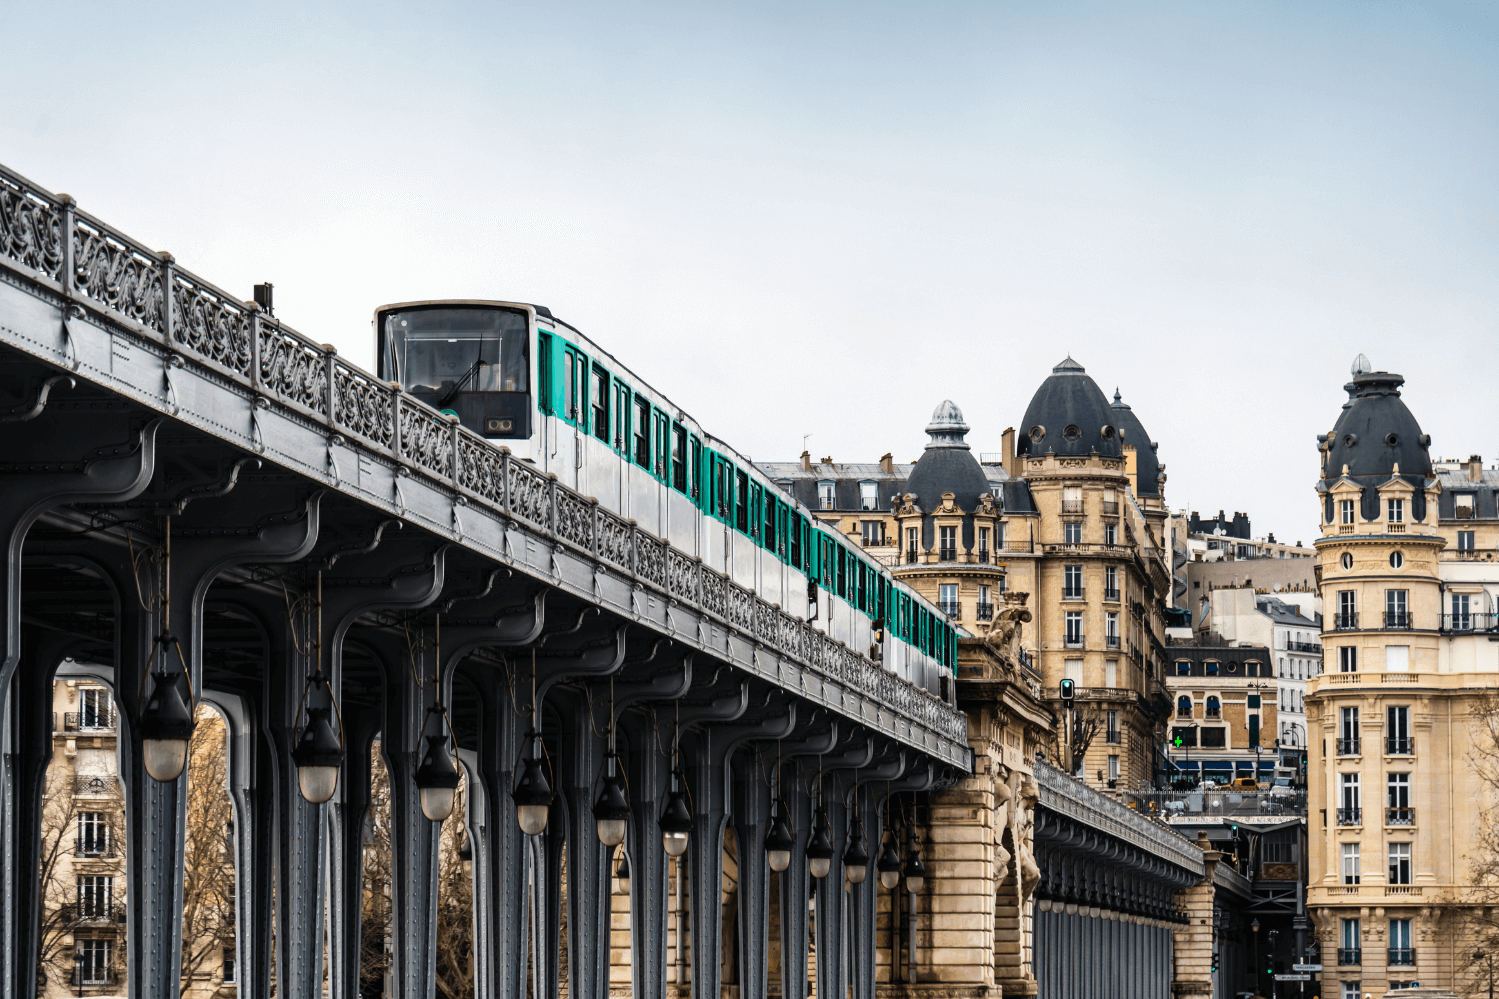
1254,928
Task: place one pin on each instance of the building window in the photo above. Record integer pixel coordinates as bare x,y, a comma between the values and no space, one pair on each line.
1464,541
948,543
95,896
1111,534
1113,769
1072,533
1111,727
1401,951
1350,812
1347,659
1184,735
1395,509
1346,560
869,495
1396,609
228,965
947,599
1210,668
1400,863
1347,609
1349,945
873,532
1072,499
1214,738
1398,800
1350,864
911,536
1397,730
93,959
1074,632
1345,509
983,544
1214,708
1111,582
1184,706
1397,560
1462,616
827,494
1111,629
999,536
1348,732
1352,990
95,710
1072,582
93,834
1183,667
1111,673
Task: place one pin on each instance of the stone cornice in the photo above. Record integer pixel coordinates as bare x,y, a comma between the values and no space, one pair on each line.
1065,796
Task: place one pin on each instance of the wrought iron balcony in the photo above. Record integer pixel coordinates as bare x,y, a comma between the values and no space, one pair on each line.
1400,817
1073,641
1349,956
1400,620
96,784
1072,593
951,608
1350,816
90,912
1469,622
1304,647
1111,641
912,556
1400,745
947,554
986,612
100,848
1110,506
1111,595
101,976
88,721
1348,747
1345,621
983,555
1072,506
1402,956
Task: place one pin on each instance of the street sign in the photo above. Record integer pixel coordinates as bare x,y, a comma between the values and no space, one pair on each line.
1306,967
1293,978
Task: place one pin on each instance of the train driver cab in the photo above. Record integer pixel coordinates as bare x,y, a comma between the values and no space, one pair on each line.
470,359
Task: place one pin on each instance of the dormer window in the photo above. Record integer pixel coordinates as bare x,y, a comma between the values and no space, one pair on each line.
1462,506
826,494
1395,510
1345,508
869,495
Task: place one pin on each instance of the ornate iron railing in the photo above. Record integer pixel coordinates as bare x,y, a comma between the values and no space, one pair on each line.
93,265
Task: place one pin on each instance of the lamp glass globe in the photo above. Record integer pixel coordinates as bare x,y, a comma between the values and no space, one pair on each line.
317,783
164,758
674,843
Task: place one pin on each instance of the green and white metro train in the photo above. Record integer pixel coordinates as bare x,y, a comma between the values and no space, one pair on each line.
515,374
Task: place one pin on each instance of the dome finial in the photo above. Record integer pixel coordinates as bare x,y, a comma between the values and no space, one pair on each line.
1361,366
1069,367
947,428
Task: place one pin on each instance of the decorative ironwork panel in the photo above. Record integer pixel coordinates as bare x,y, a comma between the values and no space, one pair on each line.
575,520
293,369
362,406
530,499
615,539
481,469
715,594
651,565
741,607
681,575
119,274
426,439
211,325
30,228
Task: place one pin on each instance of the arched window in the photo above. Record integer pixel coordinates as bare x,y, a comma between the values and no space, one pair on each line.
1184,707
1213,710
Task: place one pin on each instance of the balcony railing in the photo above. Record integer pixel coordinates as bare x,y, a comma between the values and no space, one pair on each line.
984,555
1072,506
1111,641
88,912
986,612
1400,817
88,721
1350,956
1350,816
1345,621
947,554
1113,737
1402,955
1397,619
1348,747
1111,595
1073,641
96,784
1304,647
1394,528
1110,506
1469,622
951,608
1399,745
97,848
102,976
912,556
1072,593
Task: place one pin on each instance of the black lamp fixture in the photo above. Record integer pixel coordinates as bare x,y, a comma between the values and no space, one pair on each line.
532,793
820,847
779,841
319,752
888,865
611,810
676,818
437,775
166,720
915,871
856,855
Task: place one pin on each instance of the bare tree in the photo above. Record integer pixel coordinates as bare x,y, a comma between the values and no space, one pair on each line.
375,922
58,883
455,911
208,888
1470,914
1084,729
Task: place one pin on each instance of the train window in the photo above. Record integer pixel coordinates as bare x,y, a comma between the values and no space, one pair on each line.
843,560
642,432
757,500
569,402
723,488
661,440
679,458
768,537
601,404
795,545
458,349
741,502
544,365
695,472
621,415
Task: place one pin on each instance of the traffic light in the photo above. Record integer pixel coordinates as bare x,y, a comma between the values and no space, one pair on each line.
1068,688
1215,962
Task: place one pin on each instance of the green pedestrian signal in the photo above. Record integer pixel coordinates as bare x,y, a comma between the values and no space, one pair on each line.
1067,690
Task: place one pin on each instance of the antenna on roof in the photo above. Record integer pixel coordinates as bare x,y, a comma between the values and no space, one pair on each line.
1361,366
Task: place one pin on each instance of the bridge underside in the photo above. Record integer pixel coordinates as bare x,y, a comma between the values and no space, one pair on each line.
243,522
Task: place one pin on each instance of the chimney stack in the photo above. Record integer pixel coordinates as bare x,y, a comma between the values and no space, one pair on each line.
806,461
887,463
1475,469
1007,450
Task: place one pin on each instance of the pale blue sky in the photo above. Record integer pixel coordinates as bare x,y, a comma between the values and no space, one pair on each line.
826,218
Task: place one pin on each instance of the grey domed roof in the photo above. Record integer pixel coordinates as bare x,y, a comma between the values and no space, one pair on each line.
947,465
1147,464
1069,415
1376,431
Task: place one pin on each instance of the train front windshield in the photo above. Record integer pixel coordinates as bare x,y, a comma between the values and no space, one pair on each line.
446,351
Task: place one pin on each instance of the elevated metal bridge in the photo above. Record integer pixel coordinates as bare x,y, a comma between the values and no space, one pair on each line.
318,520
